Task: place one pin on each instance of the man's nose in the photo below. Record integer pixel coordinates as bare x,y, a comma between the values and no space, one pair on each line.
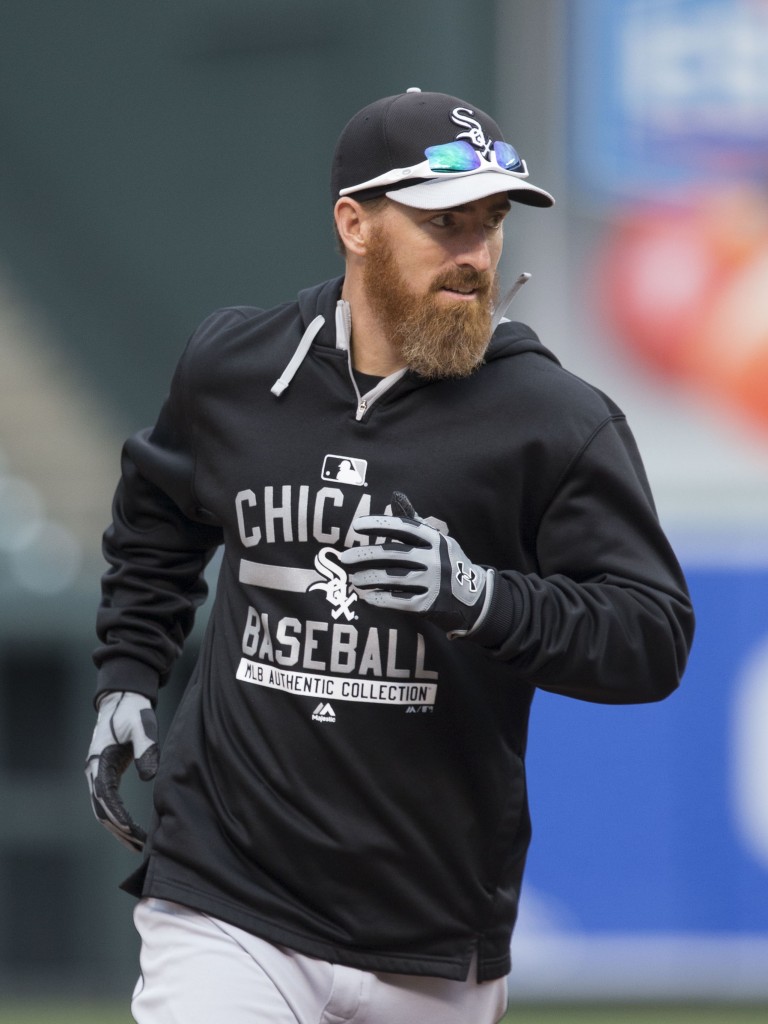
475,251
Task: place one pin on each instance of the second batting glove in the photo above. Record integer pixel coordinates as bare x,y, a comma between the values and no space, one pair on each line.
126,730
415,568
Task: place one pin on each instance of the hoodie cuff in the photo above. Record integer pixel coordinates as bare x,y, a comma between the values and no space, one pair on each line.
127,674
499,618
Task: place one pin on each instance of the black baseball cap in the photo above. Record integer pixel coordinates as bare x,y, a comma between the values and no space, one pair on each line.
430,151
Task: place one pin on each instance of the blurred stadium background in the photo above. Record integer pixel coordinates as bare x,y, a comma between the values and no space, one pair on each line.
160,160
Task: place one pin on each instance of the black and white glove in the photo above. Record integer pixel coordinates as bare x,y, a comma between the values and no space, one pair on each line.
415,568
126,730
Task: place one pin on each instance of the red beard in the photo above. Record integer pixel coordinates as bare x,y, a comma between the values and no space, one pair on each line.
434,338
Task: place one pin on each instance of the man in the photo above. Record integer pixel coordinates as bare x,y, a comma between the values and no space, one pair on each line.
420,525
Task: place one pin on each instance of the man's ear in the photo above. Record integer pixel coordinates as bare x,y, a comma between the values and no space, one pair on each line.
352,221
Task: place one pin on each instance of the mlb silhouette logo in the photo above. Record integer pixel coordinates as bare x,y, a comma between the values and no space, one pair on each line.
343,469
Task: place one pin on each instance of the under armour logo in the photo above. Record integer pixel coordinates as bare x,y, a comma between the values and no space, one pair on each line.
462,576
474,132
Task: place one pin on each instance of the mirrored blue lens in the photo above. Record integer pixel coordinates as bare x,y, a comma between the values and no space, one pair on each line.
453,157
507,156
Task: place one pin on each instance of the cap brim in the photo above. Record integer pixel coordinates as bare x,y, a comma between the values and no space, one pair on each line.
457,189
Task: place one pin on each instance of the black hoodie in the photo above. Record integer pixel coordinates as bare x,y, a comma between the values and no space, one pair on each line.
343,780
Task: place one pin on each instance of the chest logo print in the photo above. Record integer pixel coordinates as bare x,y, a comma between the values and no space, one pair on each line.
343,469
338,592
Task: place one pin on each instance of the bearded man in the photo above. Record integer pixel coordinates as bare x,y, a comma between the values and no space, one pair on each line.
340,813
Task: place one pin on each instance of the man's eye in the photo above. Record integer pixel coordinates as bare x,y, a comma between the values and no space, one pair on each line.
443,220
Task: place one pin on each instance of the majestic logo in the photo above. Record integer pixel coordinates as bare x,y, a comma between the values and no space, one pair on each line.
463,117
343,469
462,576
323,713
338,592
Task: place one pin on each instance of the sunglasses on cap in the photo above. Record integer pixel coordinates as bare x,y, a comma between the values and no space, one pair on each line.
457,157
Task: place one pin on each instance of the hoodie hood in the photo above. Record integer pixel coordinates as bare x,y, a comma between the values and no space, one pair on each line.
320,300
512,338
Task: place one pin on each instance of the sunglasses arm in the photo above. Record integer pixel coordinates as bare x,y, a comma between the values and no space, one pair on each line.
506,298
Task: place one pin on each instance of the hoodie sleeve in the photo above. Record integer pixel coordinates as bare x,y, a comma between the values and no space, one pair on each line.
608,617
157,547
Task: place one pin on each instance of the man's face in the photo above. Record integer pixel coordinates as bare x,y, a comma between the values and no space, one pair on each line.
430,277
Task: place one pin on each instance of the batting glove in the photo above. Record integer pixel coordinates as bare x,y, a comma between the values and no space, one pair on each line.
415,568
126,730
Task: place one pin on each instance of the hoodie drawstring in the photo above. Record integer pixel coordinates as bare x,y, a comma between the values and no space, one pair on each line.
298,357
313,330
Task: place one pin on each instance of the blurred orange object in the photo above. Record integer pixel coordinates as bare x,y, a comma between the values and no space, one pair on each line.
730,355
686,288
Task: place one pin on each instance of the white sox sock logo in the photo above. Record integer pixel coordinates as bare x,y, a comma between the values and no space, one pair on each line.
462,577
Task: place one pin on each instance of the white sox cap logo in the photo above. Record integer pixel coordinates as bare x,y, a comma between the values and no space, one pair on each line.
463,117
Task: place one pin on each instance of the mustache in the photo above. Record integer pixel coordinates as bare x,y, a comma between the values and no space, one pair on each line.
464,279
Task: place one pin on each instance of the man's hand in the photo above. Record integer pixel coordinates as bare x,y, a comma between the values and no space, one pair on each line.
126,730
418,569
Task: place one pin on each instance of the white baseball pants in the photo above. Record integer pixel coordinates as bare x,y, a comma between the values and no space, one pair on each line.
196,969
